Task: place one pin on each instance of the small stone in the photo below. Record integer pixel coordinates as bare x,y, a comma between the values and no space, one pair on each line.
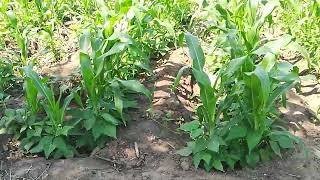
185,165
5,147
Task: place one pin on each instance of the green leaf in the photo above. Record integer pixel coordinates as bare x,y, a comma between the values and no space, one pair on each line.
109,118
214,143
136,86
200,145
61,145
196,52
180,39
201,156
209,102
202,78
224,13
268,62
85,42
264,80
274,46
253,139
234,65
267,9
88,77
44,145
186,151
278,92
252,159
44,90
118,102
178,77
284,142
231,160
89,122
64,130
189,126
103,128
27,143
37,131
196,133
295,46
236,132
264,155
217,165
12,18
123,6
275,147
116,48
213,146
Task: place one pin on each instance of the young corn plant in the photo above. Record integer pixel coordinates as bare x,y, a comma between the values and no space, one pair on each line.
237,122
103,65
302,20
6,75
49,133
20,37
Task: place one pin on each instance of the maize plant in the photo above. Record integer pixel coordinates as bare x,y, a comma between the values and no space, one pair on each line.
237,120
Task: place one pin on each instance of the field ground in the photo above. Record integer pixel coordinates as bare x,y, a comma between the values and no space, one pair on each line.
146,148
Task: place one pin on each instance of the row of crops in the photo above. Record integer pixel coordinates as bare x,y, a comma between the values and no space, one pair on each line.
241,43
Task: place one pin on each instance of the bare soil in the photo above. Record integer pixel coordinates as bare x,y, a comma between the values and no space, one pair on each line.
145,149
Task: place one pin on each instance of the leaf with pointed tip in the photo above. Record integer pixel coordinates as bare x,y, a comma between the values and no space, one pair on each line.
196,52
136,86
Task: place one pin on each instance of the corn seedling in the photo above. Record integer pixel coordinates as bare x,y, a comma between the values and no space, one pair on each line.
20,37
47,136
102,65
237,120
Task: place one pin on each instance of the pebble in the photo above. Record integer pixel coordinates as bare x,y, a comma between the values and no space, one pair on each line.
185,165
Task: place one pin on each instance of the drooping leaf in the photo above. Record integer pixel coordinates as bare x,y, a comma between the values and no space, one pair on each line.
268,62
43,89
275,147
110,119
116,48
136,86
178,77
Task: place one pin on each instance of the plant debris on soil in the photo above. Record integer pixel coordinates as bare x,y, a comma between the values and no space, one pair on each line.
146,148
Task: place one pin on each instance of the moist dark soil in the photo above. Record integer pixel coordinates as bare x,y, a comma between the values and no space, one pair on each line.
145,149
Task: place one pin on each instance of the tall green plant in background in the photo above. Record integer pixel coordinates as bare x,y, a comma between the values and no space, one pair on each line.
237,120
302,20
20,37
